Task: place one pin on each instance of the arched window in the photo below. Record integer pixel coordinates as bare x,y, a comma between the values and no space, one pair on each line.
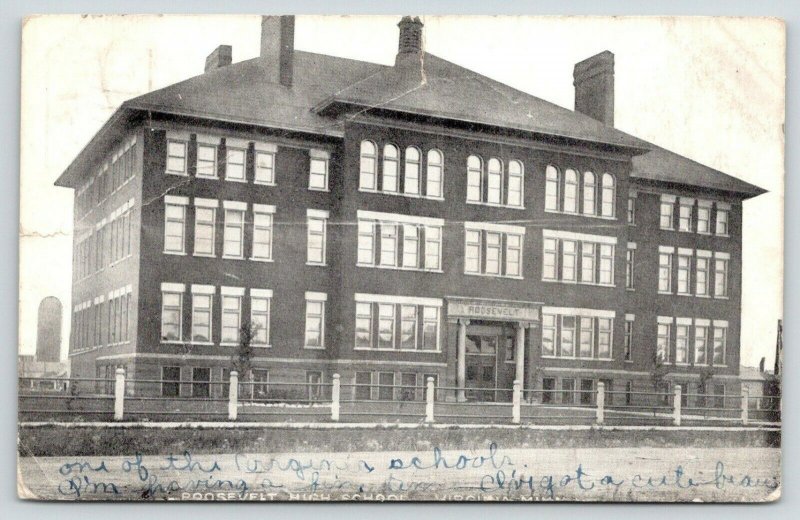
434,174
570,191
391,167
494,191
411,177
609,194
516,183
368,180
551,194
474,177
589,190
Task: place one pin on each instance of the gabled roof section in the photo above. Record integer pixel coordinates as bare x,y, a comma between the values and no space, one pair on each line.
241,93
447,90
661,165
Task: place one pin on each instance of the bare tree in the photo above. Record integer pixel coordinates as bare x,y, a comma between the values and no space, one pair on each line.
242,358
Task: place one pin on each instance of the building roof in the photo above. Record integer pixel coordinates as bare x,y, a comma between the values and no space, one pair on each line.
239,93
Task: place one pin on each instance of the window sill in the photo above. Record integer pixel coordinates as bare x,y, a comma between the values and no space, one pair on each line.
207,177
570,282
204,255
228,343
493,205
487,275
372,349
721,235
308,347
316,264
399,194
240,181
578,214
665,293
630,289
174,253
202,343
261,346
252,259
172,342
392,268
325,190
721,297
263,183
228,257
177,174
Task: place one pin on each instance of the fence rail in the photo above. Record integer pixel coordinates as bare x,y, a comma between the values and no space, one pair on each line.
285,401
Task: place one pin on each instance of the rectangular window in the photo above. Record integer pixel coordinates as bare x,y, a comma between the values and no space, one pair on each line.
587,390
550,259
548,335
231,317
548,388
315,321
568,336
721,277
606,264
588,259
170,381
494,188
410,246
586,337
604,333
685,217
430,328
260,318
569,260
234,164
363,388
171,315
667,219
204,227
206,161
318,174
385,326
665,272
663,342
408,327
386,386
174,228
363,325
701,275
515,184
262,233
700,344
314,384
366,242
474,178
513,255
493,253
233,239
472,253
631,210
684,268
722,221
408,390
567,391
628,339
681,343
265,167
433,247
630,256
317,230
388,255
411,174
260,383
176,157
201,382
720,338
703,218
201,317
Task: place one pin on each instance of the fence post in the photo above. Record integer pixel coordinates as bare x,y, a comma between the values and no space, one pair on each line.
676,406
745,404
119,394
429,398
233,396
516,401
601,402
335,398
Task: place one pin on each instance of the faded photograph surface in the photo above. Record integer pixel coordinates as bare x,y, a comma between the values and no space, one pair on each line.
401,258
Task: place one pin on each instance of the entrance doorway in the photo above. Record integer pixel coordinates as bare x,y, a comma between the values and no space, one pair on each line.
488,348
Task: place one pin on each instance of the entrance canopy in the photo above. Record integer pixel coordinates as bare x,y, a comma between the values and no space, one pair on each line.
493,310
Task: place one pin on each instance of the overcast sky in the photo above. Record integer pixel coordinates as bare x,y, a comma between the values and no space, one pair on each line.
709,89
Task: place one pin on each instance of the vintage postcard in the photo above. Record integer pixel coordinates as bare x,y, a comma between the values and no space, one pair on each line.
401,258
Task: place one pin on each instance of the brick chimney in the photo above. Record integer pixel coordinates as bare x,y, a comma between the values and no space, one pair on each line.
594,87
277,48
222,56
409,49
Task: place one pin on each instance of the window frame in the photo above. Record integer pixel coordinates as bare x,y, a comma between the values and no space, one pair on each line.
317,218
321,300
435,166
